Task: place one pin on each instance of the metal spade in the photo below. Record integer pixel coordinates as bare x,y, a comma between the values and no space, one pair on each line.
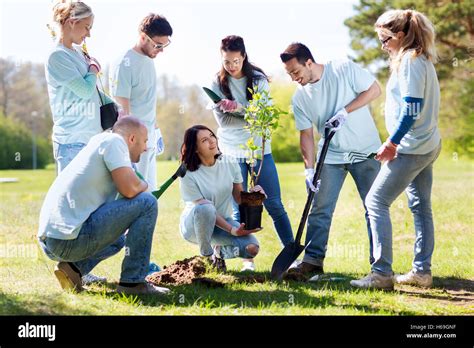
291,251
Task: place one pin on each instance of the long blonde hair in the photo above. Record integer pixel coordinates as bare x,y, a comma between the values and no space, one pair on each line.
419,34
67,9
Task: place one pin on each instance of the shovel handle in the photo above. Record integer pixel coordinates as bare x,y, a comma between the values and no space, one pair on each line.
163,187
328,134
180,172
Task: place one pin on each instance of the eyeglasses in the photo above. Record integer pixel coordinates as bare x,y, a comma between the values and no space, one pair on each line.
385,40
158,46
235,63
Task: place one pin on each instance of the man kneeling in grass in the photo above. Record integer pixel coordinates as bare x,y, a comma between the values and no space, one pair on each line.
82,222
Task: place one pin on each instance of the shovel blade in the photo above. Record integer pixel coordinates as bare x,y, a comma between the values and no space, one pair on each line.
284,260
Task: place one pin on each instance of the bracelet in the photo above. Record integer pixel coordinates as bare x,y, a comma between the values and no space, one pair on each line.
233,231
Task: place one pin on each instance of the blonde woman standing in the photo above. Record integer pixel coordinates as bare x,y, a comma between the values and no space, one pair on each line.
71,76
411,115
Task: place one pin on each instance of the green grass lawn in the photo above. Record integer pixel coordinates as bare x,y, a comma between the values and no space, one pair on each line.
28,285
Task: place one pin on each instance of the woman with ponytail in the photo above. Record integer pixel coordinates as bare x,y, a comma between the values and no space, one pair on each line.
411,116
71,75
236,76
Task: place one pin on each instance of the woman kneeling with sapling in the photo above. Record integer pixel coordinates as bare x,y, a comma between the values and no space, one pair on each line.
211,182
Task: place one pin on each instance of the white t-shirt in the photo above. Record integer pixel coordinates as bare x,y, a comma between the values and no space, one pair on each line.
133,77
416,78
232,135
83,186
76,119
313,104
214,183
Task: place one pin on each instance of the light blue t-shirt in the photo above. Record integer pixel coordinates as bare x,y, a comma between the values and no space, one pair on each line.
83,186
313,104
213,183
133,77
232,134
416,78
75,111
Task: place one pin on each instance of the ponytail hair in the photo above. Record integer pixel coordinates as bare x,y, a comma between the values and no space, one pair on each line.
67,9
419,34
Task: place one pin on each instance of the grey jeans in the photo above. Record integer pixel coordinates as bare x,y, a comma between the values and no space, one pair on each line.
198,226
414,174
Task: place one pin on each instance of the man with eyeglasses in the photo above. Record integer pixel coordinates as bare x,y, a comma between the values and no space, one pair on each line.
133,85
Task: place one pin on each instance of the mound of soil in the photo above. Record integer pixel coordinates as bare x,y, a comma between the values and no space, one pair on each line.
193,270
187,271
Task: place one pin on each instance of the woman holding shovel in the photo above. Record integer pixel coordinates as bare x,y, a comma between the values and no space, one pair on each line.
232,82
211,182
411,114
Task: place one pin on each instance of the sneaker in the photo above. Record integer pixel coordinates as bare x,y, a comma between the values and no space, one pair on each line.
307,268
248,266
218,263
92,278
144,288
303,271
68,278
216,260
374,281
425,280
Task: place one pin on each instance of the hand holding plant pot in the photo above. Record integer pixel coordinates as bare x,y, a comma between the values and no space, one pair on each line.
262,120
241,231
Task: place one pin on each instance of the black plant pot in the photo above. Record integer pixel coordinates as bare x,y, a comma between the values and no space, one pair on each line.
251,216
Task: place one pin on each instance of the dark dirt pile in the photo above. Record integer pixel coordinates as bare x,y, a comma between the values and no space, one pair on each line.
187,271
193,270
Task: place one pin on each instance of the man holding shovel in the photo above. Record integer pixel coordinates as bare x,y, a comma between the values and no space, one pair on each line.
336,91
82,222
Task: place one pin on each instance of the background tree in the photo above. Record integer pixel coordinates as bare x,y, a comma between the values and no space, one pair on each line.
285,142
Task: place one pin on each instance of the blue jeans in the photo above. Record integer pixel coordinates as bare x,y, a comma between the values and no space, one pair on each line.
65,153
414,174
273,204
199,227
320,218
102,235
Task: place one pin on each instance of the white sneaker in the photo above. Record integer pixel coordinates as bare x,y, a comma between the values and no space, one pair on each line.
91,278
374,281
418,279
248,266
144,288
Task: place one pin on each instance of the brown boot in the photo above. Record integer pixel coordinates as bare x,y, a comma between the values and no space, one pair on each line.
303,272
68,278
